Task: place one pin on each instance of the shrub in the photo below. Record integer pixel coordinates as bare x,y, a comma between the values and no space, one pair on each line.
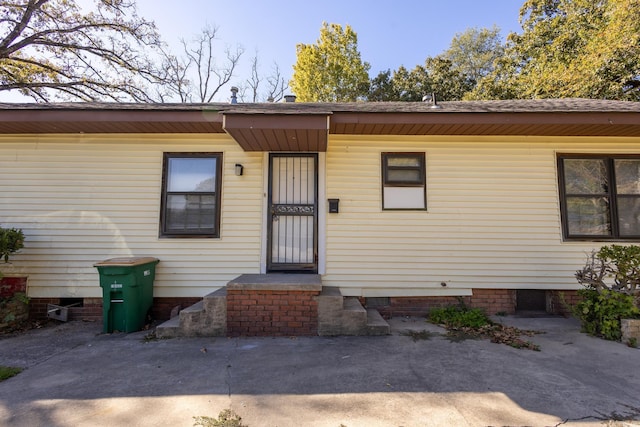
13,307
459,316
11,241
611,280
600,312
613,267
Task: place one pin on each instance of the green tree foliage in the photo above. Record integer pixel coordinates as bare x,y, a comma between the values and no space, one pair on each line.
55,49
473,52
449,75
436,76
330,70
11,241
570,48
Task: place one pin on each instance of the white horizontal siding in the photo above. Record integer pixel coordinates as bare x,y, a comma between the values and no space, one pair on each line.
492,218
82,199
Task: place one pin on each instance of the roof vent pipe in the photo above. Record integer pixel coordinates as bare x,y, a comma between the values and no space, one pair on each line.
289,98
234,95
434,101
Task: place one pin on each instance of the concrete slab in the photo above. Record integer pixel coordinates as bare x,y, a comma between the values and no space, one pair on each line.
77,376
277,282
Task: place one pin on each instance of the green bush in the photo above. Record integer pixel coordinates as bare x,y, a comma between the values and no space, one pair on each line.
11,241
611,280
459,316
600,312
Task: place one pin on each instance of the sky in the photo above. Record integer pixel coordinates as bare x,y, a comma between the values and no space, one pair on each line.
390,33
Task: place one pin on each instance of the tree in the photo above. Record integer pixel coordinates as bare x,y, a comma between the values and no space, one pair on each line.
276,84
330,70
382,88
473,52
436,76
50,48
570,48
197,76
449,75
448,81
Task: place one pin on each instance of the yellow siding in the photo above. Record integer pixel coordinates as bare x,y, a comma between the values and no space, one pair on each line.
83,198
492,218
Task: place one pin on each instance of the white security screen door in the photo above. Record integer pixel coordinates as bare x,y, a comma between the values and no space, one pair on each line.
293,213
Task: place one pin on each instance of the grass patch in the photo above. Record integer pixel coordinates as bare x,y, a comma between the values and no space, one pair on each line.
226,418
7,372
150,337
459,317
464,323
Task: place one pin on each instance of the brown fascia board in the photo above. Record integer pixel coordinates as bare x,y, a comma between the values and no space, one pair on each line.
275,121
525,118
43,121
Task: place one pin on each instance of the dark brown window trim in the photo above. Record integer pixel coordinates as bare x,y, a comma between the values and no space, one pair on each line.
217,194
611,194
386,182
421,169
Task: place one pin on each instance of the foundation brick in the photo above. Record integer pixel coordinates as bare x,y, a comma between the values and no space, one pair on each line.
268,312
491,300
11,285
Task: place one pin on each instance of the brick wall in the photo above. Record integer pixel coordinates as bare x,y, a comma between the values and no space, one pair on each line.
272,313
417,306
491,300
561,302
162,307
91,309
494,300
11,285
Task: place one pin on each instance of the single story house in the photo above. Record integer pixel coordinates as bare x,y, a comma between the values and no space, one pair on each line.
404,206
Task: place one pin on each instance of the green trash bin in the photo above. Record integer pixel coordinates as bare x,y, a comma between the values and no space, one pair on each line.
127,292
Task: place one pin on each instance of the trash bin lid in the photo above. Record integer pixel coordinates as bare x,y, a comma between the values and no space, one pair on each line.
126,261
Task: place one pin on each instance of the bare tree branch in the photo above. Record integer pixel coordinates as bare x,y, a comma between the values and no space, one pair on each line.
49,49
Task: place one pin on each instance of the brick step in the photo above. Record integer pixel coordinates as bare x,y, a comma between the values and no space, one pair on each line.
275,305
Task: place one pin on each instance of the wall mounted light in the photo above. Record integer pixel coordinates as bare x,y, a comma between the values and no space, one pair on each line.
239,169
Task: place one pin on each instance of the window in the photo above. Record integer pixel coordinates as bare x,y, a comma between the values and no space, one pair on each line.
403,181
600,197
191,195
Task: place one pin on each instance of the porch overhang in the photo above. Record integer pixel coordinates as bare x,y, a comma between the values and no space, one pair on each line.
278,132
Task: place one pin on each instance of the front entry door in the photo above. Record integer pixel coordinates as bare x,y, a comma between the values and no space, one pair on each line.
293,213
